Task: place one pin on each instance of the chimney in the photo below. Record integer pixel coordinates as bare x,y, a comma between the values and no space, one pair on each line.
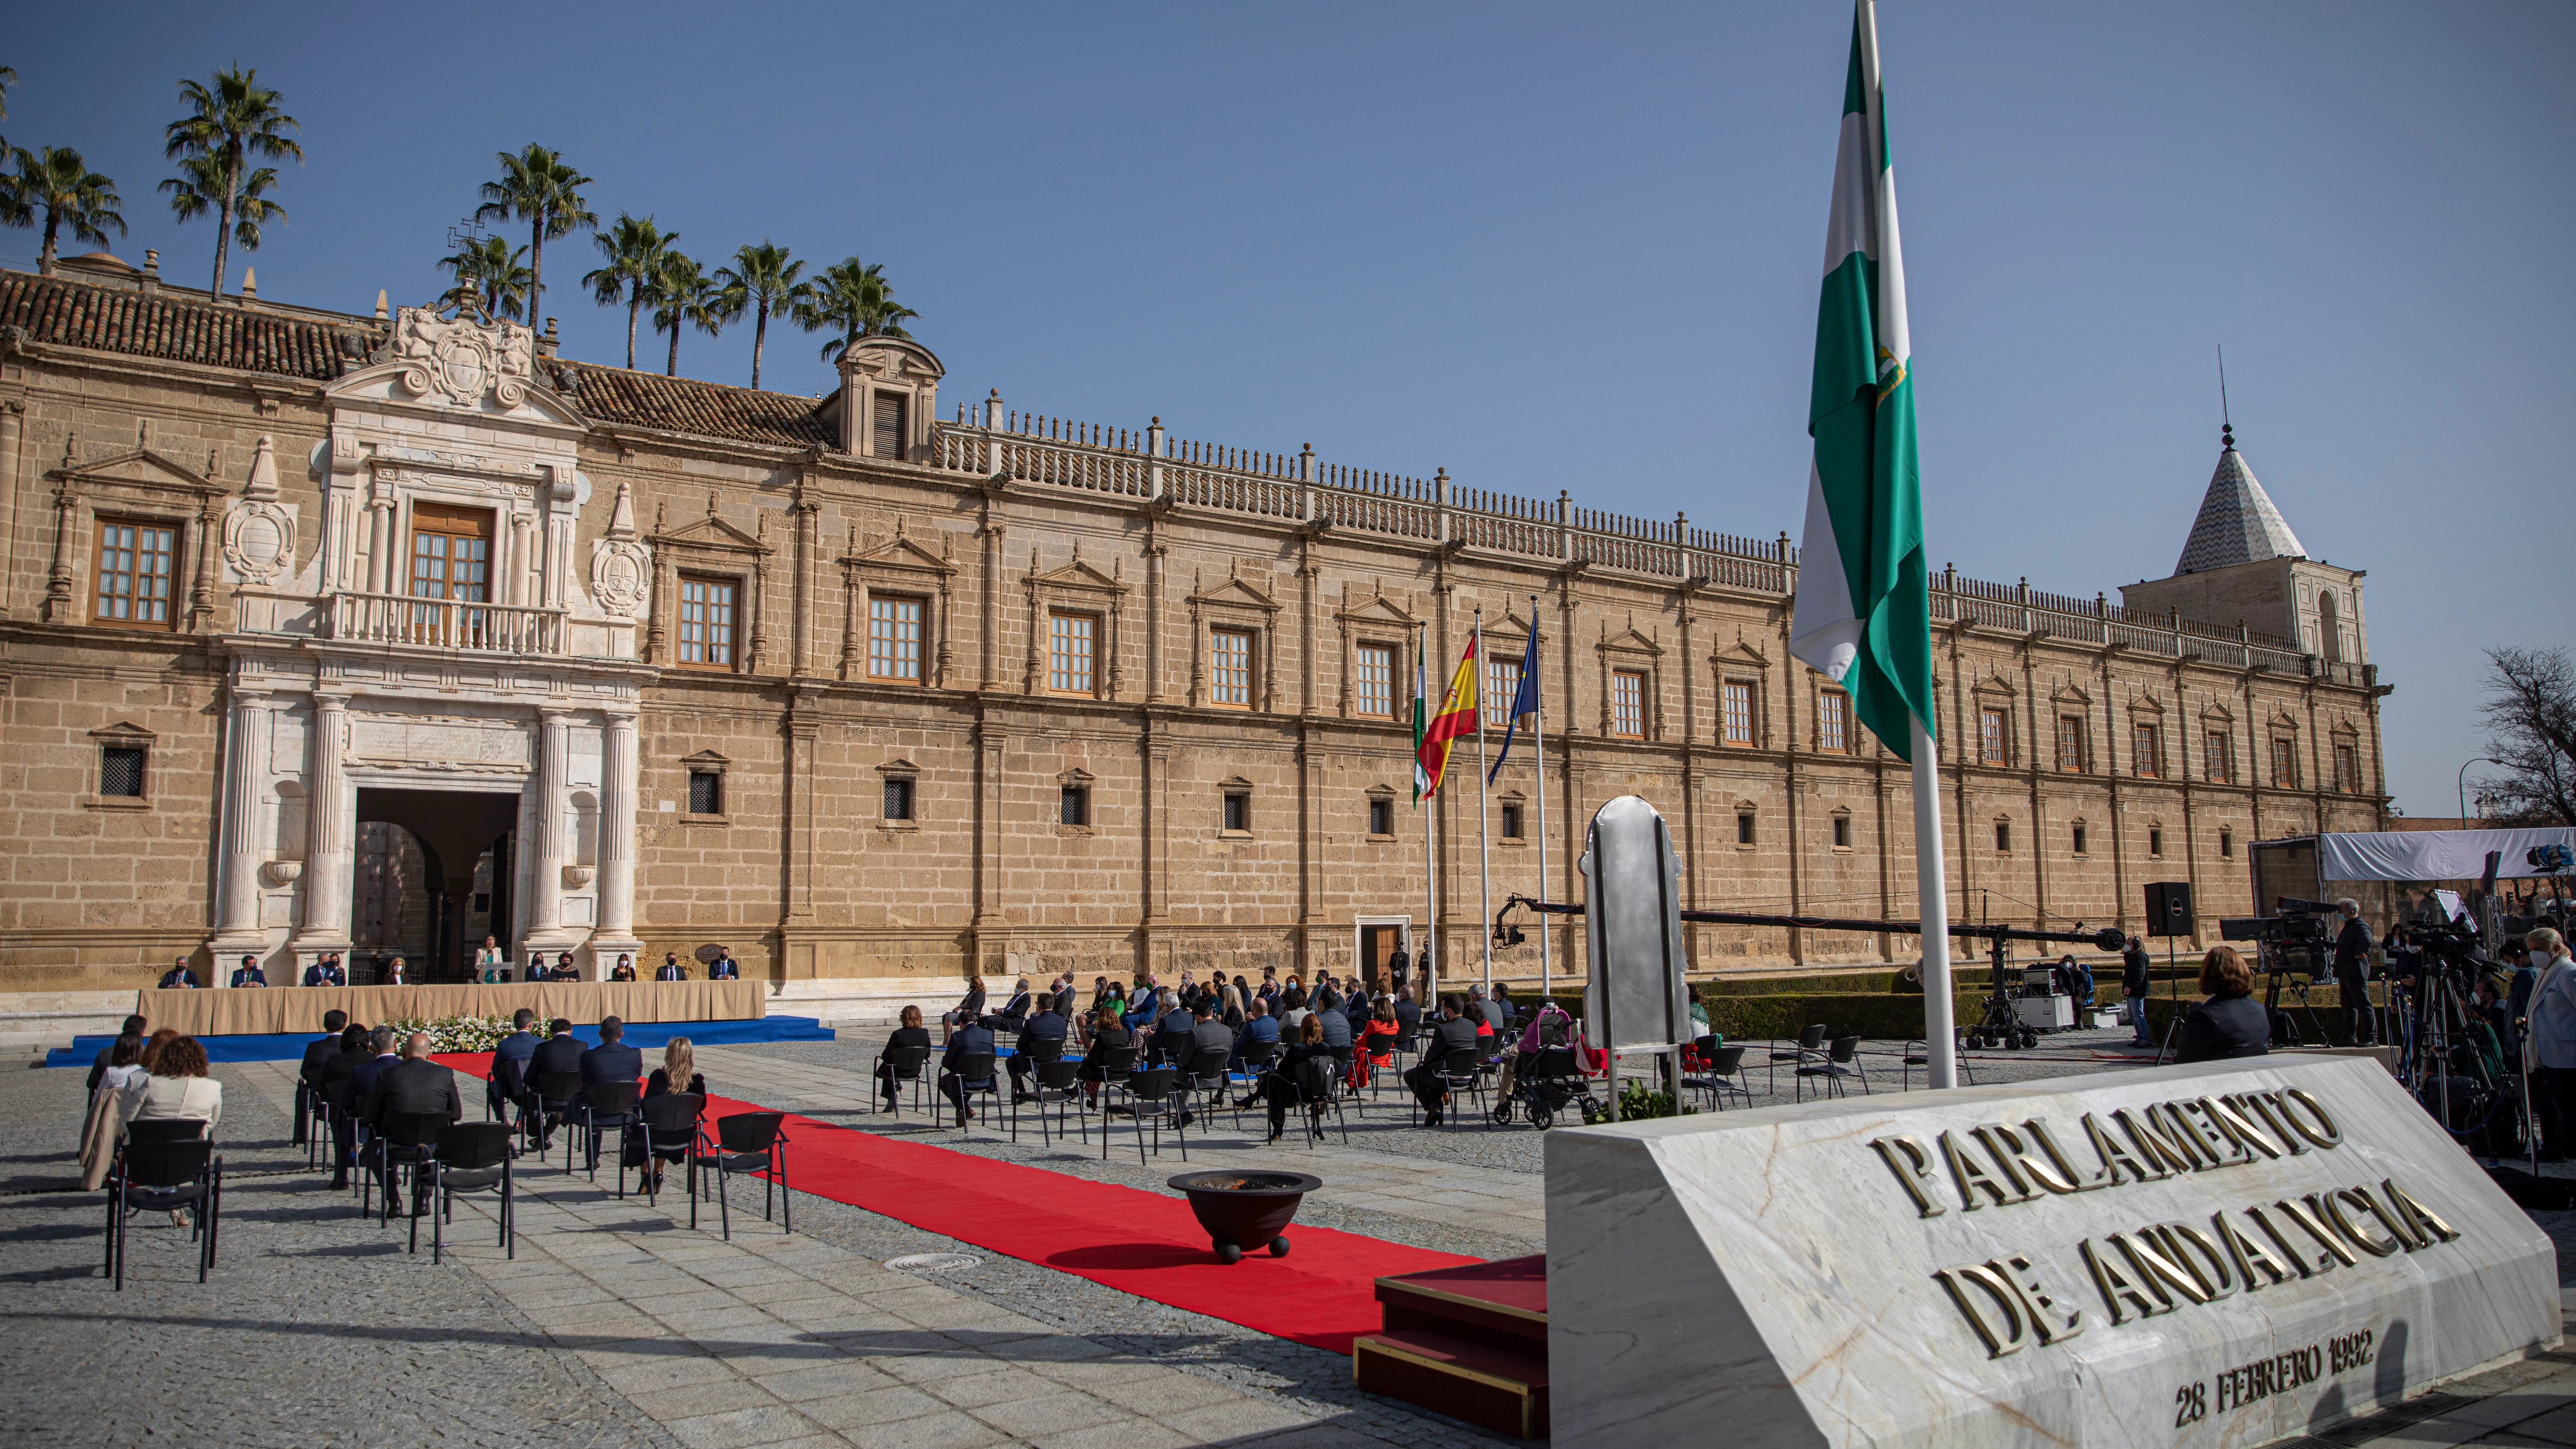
250,285
546,345
381,313
151,271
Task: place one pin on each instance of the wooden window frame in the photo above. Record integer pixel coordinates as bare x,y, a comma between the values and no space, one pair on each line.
1250,682
1361,704
172,606
2347,768
2076,760
734,584
1994,735
2147,749
1630,717
899,402
2218,756
887,646
1729,692
2284,773
1056,674
1835,706
449,521
1501,685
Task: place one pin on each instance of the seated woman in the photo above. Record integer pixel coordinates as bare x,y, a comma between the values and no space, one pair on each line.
1376,1042
2230,1023
1280,1086
1292,1008
624,970
124,1064
564,969
178,1089
1108,1033
911,1033
678,1073
970,1009
1230,1002
153,1044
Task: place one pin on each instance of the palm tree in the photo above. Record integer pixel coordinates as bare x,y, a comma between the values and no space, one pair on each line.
8,78
199,188
538,188
856,298
57,182
763,281
488,268
634,249
682,295
235,121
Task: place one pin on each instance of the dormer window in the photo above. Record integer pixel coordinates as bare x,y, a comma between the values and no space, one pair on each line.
886,432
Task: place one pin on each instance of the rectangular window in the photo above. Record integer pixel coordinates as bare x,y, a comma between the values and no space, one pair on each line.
1994,737
1735,711
1238,810
1381,816
1628,704
1833,723
1072,642
1744,827
2003,836
2079,840
137,562
885,420
2218,761
894,638
2347,769
120,771
1502,687
1230,668
1842,832
1511,822
2227,845
2285,763
2156,843
898,797
706,622
1074,806
706,793
2148,744
2070,743
1375,695
451,553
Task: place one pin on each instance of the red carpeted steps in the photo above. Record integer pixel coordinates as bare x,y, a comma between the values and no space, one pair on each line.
1469,1342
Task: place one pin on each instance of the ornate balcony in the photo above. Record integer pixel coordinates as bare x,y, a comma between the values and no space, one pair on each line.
444,624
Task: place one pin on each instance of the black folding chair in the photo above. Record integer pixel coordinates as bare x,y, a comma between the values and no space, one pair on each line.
1155,1093
1108,1070
471,1157
1721,1071
1918,1053
970,1084
405,1140
669,1132
1462,1073
556,1094
1344,1090
1318,1083
1257,1059
1208,1079
752,1142
907,1065
612,1105
1055,1082
161,1171
1832,1067
1809,1040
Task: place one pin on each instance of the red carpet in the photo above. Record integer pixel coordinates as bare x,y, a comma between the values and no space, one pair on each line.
1323,1294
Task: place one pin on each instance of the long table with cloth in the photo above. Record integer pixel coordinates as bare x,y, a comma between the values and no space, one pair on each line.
230,1011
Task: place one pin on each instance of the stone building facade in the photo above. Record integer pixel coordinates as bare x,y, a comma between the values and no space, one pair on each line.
877,697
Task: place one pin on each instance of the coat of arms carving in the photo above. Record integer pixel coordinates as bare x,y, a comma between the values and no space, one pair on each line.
462,358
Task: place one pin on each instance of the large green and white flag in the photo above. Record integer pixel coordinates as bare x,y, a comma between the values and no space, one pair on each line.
1863,613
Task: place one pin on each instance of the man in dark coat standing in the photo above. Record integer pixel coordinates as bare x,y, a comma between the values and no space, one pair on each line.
2134,984
2352,972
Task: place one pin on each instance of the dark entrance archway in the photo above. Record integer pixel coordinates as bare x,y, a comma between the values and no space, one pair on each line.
456,889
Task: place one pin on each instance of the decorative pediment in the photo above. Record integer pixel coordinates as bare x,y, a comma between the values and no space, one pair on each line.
2217,714
1234,782
1075,777
2282,719
125,733
709,532
899,553
1629,641
1380,792
1741,653
1075,575
1235,591
898,766
2069,694
1376,611
2146,704
707,760
1995,684
462,360
142,469
891,358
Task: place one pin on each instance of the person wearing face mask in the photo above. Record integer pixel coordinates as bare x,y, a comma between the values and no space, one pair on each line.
2352,971
2552,1042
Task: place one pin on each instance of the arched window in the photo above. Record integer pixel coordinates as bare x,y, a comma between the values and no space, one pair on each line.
2329,636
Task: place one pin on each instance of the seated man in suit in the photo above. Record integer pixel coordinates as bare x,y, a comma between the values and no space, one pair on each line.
1172,1033
1453,1033
249,974
519,1046
1045,1026
380,1053
308,1075
560,1052
724,967
338,1087
180,978
968,1039
1015,1010
414,1084
612,1061
670,969
1258,1026
1337,1027
1408,1012
326,972
1210,1041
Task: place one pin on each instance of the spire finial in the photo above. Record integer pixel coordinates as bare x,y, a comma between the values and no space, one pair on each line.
2226,425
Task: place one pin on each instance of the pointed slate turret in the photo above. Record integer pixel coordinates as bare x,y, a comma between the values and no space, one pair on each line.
2237,522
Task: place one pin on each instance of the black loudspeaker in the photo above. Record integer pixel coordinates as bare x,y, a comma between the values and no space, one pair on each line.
2169,908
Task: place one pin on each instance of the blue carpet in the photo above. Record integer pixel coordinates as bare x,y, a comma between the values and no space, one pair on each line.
650,1035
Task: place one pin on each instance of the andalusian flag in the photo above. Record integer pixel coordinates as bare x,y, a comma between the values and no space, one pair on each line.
1457,718
1863,612
1422,783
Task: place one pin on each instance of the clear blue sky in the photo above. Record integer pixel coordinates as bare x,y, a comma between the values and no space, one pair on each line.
1550,248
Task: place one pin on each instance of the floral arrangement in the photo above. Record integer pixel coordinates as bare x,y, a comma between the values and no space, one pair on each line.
457,1033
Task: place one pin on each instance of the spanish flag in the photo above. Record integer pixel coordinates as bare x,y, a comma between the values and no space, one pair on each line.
1457,717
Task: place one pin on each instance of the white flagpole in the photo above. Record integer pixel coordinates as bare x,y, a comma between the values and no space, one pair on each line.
1423,960
1932,892
1484,851
1538,756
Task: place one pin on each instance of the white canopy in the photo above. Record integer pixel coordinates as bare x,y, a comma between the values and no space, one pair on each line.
2431,854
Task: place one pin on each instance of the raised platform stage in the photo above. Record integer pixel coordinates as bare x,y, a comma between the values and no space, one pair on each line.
650,1036
1469,1342
226,1011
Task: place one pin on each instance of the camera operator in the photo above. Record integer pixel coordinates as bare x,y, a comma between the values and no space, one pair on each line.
2135,965
2352,972
2553,1040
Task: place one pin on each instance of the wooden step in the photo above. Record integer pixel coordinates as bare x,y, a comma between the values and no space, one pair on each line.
1501,1304
1485,1386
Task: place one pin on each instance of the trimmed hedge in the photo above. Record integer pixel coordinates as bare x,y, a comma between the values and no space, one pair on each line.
1880,1016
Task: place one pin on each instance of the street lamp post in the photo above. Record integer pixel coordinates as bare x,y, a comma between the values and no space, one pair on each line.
2462,783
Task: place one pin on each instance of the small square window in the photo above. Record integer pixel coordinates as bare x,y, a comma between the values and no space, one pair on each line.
1511,822
898,797
482,903
706,792
1238,810
1073,806
2079,840
1842,832
2003,836
2227,845
1381,816
1744,827
120,771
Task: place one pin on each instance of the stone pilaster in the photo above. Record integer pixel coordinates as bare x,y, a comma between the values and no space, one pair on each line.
617,845
544,929
331,837
248,735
